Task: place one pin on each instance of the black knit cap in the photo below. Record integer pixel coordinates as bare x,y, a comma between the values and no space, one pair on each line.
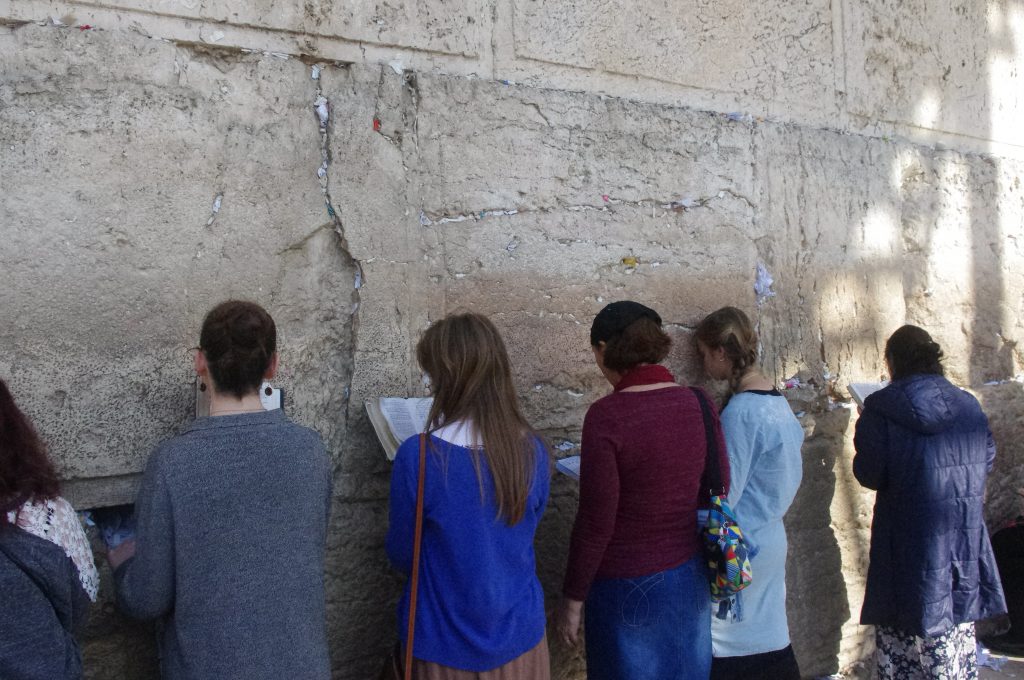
616,317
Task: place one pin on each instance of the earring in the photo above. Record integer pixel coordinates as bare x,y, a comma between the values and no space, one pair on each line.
202,387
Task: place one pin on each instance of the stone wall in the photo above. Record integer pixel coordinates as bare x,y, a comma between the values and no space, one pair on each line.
532,161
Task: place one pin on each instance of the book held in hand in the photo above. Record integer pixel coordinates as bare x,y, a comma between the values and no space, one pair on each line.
395,419
861,391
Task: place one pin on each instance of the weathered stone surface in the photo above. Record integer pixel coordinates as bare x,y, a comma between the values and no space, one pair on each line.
1005,493
211,210
420,24
534,205
949,66
779,54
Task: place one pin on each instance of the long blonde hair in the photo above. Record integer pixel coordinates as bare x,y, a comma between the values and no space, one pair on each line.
471,378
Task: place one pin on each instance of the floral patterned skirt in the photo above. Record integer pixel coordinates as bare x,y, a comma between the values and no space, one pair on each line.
949,656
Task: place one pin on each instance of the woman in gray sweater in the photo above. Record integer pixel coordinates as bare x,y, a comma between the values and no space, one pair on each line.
231,524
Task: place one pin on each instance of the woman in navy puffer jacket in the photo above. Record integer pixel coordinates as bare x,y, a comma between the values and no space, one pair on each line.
925,446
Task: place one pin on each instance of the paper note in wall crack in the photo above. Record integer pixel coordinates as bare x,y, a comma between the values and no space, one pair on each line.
569,466
763,284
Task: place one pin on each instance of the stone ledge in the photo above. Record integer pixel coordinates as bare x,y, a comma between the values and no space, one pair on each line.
101,492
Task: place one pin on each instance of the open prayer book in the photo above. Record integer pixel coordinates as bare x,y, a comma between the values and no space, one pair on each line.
395,419
861,391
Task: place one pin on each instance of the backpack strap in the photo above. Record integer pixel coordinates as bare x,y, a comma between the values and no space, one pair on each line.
712,466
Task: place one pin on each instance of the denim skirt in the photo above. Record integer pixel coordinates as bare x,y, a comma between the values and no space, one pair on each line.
654,627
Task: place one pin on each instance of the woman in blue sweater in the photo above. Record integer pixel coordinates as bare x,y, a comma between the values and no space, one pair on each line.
480,608
924,445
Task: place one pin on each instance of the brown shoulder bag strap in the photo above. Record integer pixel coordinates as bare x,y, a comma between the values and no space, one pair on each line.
417,541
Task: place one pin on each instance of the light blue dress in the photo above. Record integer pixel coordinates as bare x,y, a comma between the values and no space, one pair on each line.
763,438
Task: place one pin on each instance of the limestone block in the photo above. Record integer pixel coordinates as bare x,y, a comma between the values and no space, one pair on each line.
484,146
963,281
819,596
361,620
143,183
315,305
774,53
835,252
421,24
1004,498
369,176
944,66
921,236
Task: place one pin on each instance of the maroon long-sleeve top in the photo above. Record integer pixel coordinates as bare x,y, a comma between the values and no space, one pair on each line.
642,459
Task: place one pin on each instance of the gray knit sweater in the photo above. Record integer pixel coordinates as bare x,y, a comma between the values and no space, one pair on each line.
231,529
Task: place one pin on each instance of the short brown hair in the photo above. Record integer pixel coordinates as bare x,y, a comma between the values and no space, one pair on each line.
641,342
238,339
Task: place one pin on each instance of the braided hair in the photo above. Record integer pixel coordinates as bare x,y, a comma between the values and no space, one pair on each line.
730,329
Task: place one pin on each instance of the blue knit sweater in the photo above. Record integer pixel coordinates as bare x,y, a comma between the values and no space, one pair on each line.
480,603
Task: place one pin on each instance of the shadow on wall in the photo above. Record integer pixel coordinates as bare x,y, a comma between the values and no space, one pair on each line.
817,601
1003,502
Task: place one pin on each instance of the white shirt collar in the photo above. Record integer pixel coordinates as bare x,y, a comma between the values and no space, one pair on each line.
459,433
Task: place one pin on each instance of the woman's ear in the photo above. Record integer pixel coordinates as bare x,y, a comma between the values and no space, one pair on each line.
202,368
271,368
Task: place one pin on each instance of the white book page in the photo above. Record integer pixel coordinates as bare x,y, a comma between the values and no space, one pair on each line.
404,415
861,391
420,408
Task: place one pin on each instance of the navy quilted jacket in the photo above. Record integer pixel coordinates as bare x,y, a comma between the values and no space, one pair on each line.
925,446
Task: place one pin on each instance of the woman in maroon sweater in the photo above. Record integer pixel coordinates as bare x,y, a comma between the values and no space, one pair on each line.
635,557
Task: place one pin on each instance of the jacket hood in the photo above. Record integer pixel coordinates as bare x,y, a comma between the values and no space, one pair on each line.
924,403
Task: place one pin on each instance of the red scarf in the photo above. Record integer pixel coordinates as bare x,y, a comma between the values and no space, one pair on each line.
644,374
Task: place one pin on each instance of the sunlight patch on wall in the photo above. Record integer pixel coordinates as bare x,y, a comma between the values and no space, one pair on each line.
1005,69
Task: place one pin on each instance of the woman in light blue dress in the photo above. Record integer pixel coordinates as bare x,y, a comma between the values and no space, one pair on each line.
763,439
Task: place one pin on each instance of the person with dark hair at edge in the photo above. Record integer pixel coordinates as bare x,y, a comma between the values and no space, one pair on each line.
480,607
925,447
764,439
635,557
231,524
47,574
